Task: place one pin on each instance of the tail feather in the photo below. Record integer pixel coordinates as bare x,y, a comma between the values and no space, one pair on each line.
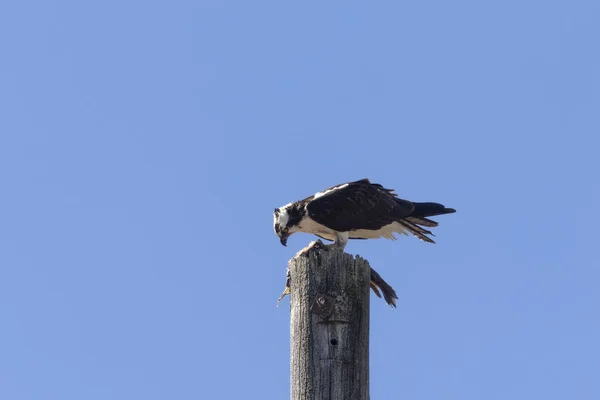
418,219
430,210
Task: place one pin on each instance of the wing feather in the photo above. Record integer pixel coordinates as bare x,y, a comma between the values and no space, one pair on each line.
417,231
422,221
358,205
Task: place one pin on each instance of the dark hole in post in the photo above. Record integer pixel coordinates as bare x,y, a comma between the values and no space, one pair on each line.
334,342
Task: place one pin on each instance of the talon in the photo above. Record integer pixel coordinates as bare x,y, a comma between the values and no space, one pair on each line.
322,246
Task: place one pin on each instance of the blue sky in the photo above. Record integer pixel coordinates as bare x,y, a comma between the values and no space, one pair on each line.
144,145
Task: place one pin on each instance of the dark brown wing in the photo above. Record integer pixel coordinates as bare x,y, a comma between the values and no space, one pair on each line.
358,205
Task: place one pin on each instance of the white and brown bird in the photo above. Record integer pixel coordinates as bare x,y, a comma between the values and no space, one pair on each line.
356,210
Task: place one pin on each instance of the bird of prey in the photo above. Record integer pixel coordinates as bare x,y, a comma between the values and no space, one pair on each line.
356,210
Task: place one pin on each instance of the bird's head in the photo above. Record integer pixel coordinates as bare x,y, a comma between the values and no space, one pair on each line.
286,221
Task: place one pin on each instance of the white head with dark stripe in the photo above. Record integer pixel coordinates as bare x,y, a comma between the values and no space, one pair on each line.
286,220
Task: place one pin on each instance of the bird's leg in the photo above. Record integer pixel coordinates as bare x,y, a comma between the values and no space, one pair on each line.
341,239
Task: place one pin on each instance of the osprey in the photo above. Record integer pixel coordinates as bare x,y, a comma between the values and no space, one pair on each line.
356,210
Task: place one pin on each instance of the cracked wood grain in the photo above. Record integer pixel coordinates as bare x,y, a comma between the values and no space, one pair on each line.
329,326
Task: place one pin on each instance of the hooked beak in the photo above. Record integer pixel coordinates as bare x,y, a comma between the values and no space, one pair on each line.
283,239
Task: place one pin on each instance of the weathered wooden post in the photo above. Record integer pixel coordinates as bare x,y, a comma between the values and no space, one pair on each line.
329,325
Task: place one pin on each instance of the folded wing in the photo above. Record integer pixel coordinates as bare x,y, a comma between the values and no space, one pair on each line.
358,205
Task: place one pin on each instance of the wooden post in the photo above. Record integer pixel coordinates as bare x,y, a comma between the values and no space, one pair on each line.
329,325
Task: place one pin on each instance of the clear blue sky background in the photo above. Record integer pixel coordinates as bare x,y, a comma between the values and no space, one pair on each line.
144,145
